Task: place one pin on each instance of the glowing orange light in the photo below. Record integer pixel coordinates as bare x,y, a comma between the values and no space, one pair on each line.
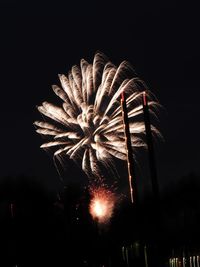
99,207
122,96
144,98
102,204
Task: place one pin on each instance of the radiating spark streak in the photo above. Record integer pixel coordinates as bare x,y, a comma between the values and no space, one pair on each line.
47,125
70,135
50,144
88,125
61,150
47,132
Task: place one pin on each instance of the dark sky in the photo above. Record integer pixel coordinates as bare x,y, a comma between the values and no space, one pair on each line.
38,41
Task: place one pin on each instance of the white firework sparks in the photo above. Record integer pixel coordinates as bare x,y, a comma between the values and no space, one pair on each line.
87,127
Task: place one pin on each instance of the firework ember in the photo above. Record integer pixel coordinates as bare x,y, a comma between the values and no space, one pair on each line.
102,204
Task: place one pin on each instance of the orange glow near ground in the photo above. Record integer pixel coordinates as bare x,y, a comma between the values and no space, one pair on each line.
100,208
102,204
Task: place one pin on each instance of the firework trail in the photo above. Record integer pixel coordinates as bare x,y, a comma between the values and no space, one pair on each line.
87,127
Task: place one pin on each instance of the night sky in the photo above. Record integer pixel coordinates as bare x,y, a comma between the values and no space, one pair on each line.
38,41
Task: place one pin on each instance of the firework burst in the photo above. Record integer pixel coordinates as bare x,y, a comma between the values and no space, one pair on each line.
87,126
102,203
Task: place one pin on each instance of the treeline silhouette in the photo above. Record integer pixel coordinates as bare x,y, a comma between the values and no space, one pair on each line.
43,228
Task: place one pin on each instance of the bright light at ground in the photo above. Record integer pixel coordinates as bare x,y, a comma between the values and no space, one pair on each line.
102,204
99,208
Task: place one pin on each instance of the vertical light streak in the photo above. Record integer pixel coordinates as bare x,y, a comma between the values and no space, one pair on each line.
149,140
12,210
197,261
129,152
183,261
190,261
127,257
173,262
145,256
123,253
194,261
176,262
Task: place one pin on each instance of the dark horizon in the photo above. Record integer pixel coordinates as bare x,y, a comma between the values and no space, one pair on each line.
39,228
